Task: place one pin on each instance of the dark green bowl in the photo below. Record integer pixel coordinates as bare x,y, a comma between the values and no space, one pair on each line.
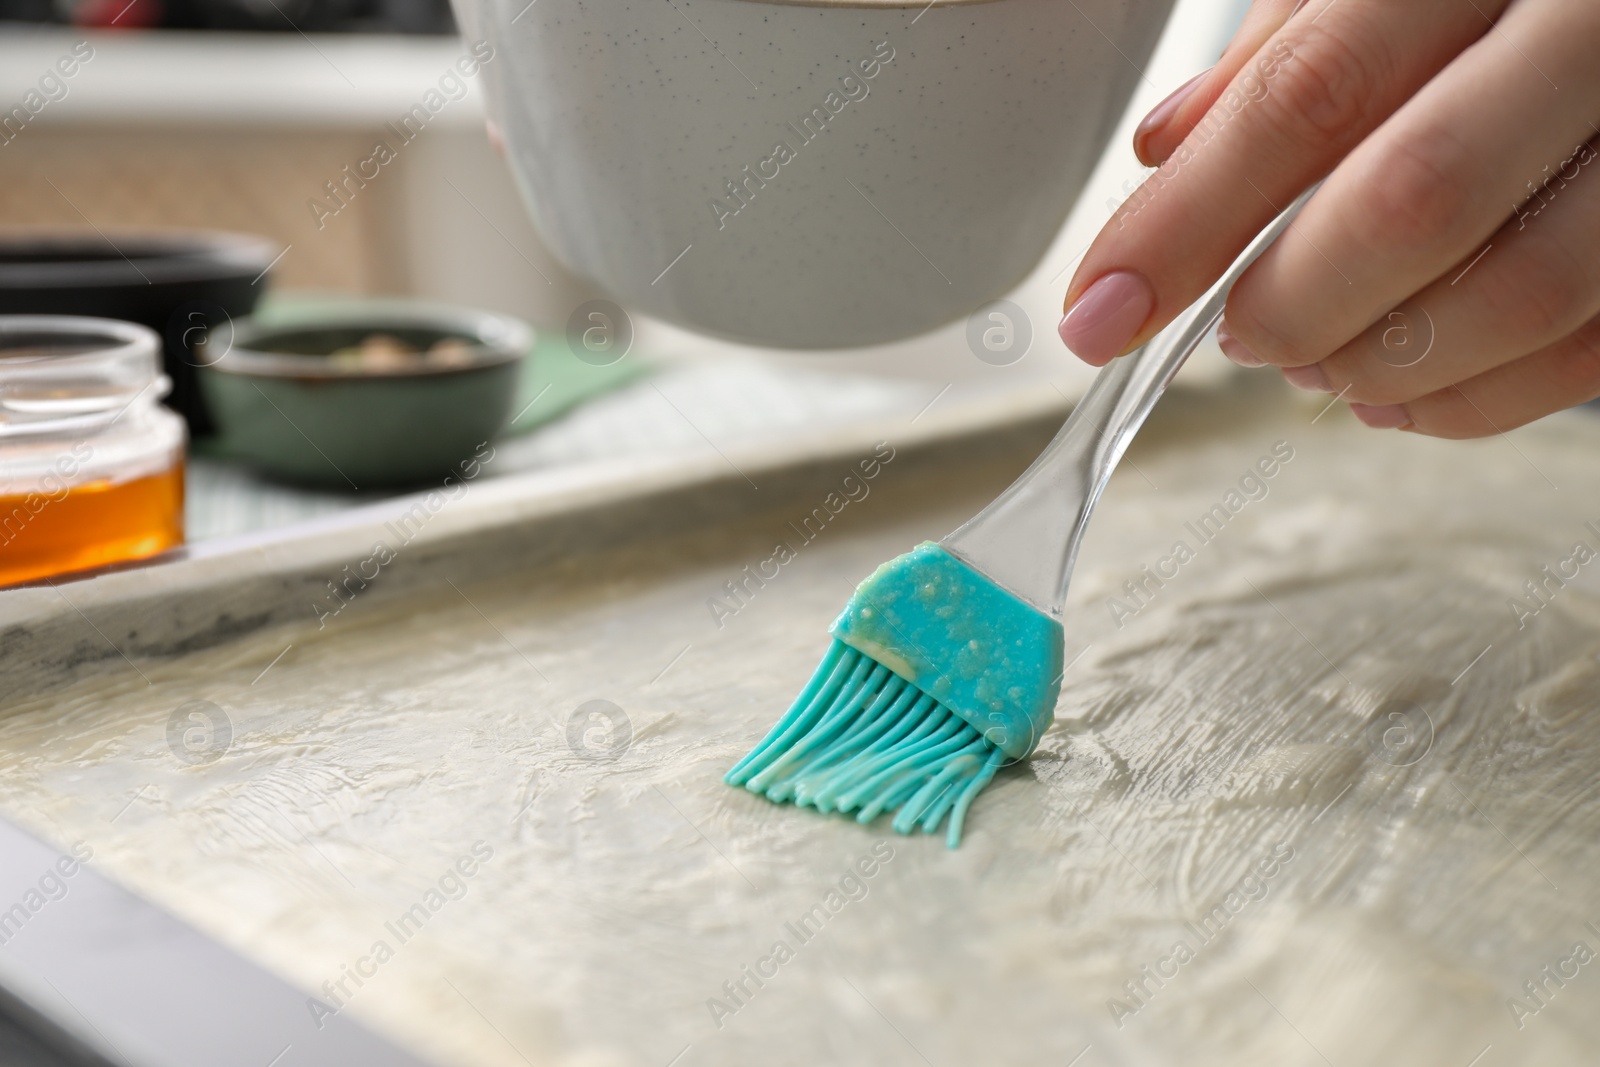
284,408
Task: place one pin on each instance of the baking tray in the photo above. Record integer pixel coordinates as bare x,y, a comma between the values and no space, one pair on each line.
93,976
1320,749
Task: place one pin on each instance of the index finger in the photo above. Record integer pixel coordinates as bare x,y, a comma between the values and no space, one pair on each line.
1314,90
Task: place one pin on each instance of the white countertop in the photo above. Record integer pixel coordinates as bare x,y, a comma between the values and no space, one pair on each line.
180,77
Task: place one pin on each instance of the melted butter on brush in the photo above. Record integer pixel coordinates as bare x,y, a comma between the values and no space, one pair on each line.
992,658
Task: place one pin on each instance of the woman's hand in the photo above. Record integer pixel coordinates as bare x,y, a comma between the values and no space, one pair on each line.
1446,278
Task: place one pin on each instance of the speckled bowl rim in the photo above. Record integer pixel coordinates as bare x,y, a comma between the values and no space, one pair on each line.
874,3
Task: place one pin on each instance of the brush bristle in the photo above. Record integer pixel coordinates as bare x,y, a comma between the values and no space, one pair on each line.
859,738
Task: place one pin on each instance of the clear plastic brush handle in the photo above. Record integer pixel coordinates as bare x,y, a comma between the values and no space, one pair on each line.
1011,540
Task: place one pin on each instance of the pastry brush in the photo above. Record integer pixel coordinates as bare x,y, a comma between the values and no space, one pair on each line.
946,663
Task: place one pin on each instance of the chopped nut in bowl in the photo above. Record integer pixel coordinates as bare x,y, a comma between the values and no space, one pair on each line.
363,394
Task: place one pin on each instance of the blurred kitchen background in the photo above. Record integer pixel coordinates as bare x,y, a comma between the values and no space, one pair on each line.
234,115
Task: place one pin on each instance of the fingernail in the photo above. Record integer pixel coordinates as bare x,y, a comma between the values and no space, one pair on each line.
1162,113
1106,318
1310,378
1234,349
1383,416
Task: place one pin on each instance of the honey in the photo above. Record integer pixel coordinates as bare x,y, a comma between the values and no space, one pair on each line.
91,464
90,525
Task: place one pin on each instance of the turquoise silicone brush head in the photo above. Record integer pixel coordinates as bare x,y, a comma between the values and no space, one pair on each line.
946,663
936,676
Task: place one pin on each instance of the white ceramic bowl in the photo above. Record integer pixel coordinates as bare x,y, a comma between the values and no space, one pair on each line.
807,174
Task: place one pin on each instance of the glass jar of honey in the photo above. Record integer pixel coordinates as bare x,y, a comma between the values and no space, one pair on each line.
91,464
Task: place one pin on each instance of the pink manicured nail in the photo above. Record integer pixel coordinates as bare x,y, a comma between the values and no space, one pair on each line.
1234,350
1162,113
1382,416
1106,318
1310,378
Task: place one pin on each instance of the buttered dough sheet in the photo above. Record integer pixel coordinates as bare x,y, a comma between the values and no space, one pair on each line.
1323,786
